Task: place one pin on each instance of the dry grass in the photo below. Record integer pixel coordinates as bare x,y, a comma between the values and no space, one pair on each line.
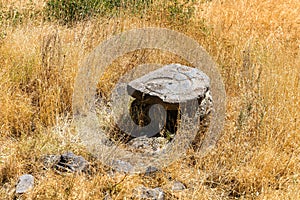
256,45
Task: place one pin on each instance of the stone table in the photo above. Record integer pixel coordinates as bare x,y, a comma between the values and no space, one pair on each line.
169,86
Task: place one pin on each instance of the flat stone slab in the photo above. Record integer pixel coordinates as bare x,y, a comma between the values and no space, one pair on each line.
172,84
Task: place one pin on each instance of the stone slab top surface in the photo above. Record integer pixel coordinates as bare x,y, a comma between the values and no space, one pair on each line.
173,83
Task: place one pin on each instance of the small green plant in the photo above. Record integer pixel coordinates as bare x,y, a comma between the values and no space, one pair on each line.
181,12
1,14
69,11
137,6
14,15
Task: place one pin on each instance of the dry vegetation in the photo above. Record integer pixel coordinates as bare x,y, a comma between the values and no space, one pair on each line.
257,47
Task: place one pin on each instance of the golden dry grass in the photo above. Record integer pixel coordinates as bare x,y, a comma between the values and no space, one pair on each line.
257,47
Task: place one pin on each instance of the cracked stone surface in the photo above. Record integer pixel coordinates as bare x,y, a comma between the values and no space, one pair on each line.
172,83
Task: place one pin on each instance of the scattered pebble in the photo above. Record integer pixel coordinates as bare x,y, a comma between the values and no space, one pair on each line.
147,145
67,162
151,169
177,186
25,184
145,193
122,166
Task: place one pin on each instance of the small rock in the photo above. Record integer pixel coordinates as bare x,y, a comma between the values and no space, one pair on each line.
149,193
70,162
50,160
67,162
150,170
141,143
25,184
147,144
122,166
177,186
107,142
